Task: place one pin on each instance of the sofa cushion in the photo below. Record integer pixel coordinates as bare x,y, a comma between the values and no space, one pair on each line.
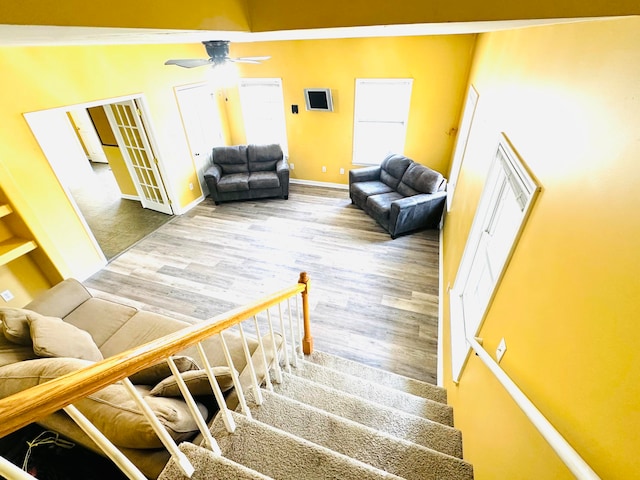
15,324
419,179
101,318
259,180
236,182
392,169
111,410
61,299
361,190
263,158
197,381
143,327
53,337
12,353
380,205
231,159
158,372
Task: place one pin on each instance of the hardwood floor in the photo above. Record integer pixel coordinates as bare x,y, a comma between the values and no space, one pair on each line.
372,299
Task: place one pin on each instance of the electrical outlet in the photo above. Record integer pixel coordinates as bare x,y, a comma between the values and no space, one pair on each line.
191,186
324,169
7,295
342,171
292,166
502,347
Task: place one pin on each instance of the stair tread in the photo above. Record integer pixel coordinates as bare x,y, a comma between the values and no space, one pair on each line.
284,456
209,466
383,377
380,449
375,392
356,408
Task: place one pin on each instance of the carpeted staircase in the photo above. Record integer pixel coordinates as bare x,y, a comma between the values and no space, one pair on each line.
332,418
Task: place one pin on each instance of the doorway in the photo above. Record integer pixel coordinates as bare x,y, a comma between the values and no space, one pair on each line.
111,211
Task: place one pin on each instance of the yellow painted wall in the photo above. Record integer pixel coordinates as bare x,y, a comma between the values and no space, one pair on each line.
42,78
119,169
269,15
273,15
568,98
189,14
439,66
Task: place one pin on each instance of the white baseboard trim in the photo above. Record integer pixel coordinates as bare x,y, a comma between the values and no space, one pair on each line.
440,359
189,206
131,197
341,186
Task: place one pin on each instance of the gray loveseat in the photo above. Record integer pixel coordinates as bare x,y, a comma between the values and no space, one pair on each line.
400,194
243,172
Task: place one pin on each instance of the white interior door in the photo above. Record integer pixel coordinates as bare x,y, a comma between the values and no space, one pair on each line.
504,205
88,135
126,122
202,125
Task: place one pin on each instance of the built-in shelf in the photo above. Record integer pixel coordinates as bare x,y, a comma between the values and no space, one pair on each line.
5,210
14,247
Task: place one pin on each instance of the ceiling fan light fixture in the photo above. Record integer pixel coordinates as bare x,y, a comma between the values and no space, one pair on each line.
218,51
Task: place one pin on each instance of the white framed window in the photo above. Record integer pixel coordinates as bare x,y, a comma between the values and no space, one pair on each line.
380,118
262,106
461,142
504,206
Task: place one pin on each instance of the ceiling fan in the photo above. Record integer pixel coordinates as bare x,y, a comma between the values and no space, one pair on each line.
218,51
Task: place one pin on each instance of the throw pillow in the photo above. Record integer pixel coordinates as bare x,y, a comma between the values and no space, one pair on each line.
53,337
15,325
197,381
155,373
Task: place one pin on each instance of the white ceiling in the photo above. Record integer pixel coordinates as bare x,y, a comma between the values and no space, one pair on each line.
20,35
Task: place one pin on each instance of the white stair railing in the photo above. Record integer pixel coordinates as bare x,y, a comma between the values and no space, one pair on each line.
37,402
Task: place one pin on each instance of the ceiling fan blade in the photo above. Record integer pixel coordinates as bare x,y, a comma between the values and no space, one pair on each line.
189,62
249,59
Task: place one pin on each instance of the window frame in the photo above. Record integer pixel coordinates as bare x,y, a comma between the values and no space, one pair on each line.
278,112
360,118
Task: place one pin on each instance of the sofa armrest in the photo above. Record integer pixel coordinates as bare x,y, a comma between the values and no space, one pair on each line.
282,170
418,211
213,173
282,166
366,174
61,299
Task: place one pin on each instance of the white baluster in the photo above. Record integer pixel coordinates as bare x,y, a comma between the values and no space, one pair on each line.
193,408
252,370
293,336
267,375
276,357
298,325
122,462
180,458
285,348
234,376
229,423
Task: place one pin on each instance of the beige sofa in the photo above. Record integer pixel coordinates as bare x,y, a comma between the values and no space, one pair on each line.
67,328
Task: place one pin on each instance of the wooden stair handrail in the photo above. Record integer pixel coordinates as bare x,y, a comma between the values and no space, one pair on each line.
27,406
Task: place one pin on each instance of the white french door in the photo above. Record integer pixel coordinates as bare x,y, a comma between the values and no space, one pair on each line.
505,202
127,125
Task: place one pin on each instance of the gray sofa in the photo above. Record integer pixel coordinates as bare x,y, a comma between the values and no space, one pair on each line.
401,195
243,172
67,328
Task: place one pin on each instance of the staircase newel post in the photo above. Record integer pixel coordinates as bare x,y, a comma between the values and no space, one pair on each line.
307,339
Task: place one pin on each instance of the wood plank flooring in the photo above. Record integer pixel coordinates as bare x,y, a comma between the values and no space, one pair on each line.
372,299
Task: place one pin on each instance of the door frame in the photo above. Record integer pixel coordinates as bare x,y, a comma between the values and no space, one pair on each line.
38,122
506,169
178,91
